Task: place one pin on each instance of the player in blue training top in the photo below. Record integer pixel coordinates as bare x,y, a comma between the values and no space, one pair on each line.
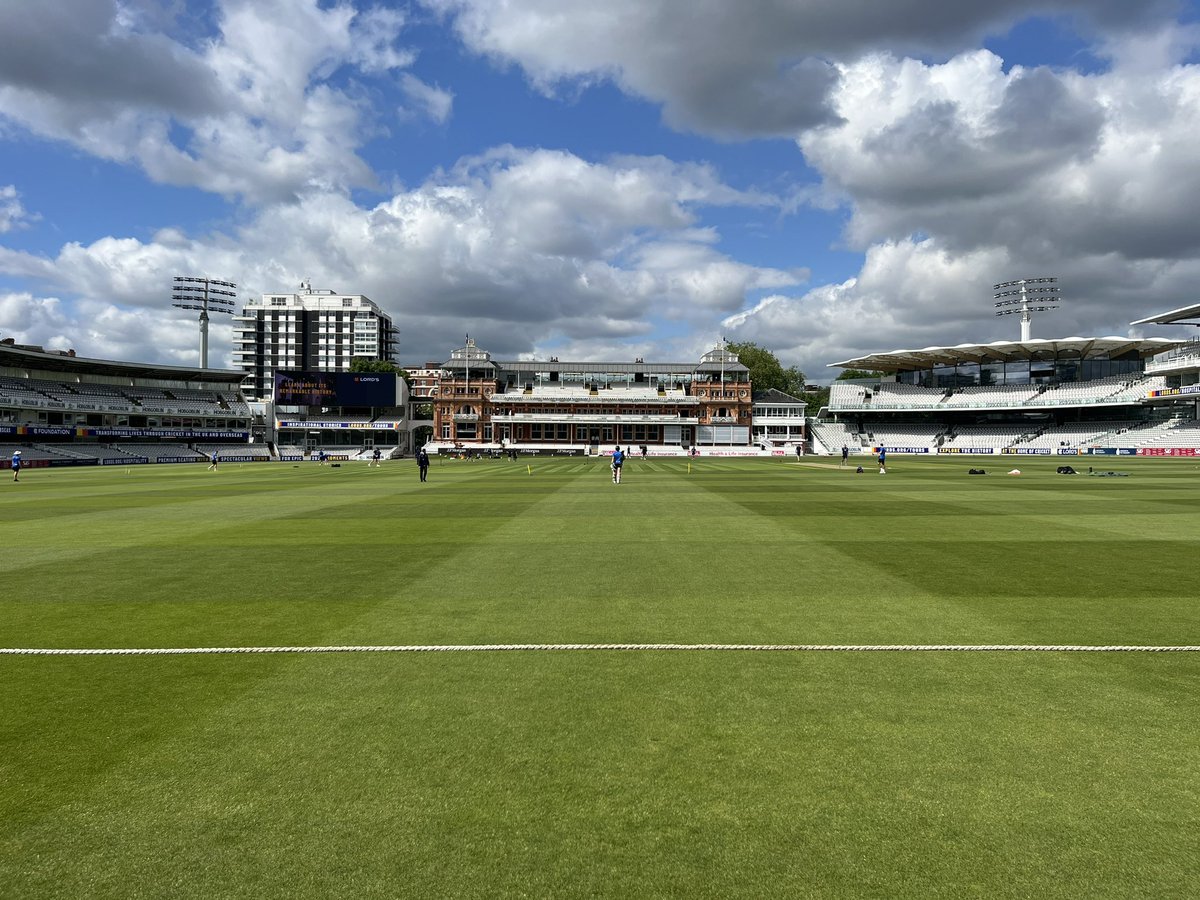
16,465
882,460
617,459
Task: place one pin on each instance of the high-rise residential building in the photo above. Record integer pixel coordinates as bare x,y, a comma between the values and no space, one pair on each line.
311,331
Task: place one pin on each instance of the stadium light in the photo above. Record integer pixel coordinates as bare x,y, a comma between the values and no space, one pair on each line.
204,294
1025,296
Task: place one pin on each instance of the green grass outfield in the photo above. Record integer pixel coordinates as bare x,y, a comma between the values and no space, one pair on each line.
603,773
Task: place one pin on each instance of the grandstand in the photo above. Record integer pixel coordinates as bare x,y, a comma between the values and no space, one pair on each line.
1069,396
64,410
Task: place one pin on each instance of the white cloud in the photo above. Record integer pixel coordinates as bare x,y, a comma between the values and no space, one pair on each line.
960,175
12,214
429,102
727,69
254,112
518,247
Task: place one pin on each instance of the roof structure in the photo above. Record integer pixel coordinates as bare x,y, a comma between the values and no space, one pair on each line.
17,356
774,395
1174,317
1005,351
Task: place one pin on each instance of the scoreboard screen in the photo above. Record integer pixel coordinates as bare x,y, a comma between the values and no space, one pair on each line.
335,388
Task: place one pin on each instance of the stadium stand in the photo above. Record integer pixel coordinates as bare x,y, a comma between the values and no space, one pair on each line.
830,437
88,451
29,452
258,451
155,452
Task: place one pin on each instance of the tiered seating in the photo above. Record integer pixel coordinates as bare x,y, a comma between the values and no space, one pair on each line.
29,453
1138,435
997,395
90,451
1080,392
905,395
994,436
1184,433
1073,435
255,450
13,396
1137,390
833,436
843,395
902,434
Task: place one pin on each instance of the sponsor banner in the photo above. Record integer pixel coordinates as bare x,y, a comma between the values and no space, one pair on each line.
1102,451
131,461
1176,392
294,388
58,463
289,457
976,450
1069,451
180,459
906,449
47,430
29,464
223,458
389,425
65,431
1026,451
184,433
1168,451
1126,451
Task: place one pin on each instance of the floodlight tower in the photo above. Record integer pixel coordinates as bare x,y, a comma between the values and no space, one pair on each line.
203,294
1025,296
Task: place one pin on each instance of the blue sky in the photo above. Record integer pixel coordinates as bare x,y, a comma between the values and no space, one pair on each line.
598,181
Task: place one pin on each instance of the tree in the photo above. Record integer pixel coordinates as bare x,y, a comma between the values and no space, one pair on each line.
370,364
766,372
848,374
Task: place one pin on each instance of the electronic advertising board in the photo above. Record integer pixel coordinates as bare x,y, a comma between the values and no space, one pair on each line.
294,388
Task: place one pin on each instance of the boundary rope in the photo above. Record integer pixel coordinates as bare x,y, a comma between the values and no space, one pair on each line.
500,648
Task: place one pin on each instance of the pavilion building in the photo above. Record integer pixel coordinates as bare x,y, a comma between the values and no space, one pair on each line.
576,407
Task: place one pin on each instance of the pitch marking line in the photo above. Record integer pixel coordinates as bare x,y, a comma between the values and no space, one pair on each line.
497,648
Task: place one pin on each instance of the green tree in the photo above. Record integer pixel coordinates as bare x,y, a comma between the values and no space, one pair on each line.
367,364
766,372
848,374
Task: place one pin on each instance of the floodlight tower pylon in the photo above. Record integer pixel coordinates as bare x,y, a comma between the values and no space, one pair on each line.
1026,296
204,294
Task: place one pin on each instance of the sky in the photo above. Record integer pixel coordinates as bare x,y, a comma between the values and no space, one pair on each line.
599,181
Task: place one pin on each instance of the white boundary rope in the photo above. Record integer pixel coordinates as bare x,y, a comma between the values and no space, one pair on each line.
497,648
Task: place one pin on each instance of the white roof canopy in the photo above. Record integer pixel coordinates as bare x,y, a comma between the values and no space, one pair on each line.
1005,351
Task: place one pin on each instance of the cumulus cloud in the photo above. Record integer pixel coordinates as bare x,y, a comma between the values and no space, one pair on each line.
519,247
12,214
261,110
961,174
719,68
951,169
